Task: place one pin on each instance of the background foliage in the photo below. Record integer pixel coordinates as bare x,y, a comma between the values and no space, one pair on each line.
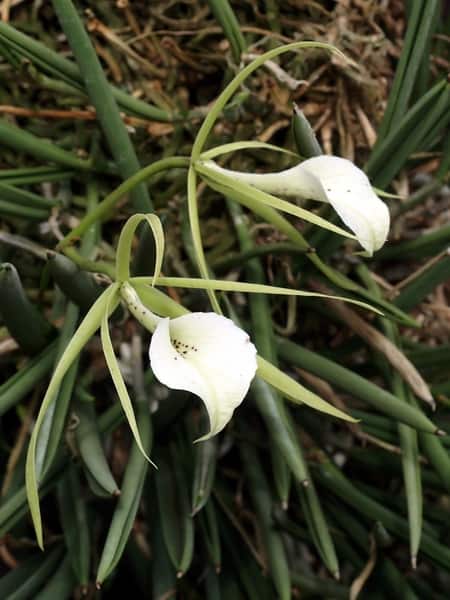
286,502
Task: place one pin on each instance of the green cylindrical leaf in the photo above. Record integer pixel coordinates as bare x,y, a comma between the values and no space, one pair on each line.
175,512
75,525
101,96
20,384
417,35
25,323
413,486
226,18
24,197
318,527
333,480
61,584
356,385
10,582
91,450
386,145
262,501
130,497
211,536
8,209
56,65
438,457
29,587
80,287
23,141
412,294
205,458
164,580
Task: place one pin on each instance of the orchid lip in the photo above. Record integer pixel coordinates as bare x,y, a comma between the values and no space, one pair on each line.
208,355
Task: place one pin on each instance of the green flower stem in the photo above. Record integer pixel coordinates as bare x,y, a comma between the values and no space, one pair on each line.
204,132
108,204
92,266
142,314
196,236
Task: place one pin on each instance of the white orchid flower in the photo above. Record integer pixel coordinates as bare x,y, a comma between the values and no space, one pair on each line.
334,180
202,353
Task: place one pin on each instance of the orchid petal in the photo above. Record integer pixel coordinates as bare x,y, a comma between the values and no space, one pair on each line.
330,179
348,190
208,355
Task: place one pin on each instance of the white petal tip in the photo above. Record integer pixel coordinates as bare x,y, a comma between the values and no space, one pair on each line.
205,437
348,189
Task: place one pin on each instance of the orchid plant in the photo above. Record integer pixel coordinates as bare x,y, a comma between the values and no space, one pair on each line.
203,353
207,353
